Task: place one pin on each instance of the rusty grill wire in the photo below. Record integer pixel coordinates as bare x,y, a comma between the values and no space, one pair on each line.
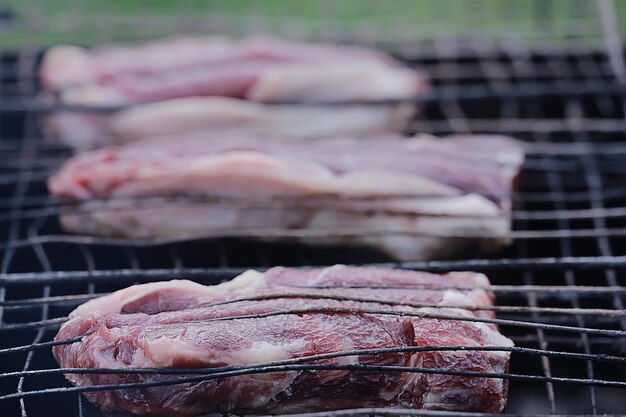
560,288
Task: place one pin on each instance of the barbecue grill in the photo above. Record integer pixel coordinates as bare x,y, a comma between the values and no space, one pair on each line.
561,287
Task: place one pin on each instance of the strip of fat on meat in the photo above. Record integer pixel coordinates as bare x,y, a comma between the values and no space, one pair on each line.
210,116
158,297
405,235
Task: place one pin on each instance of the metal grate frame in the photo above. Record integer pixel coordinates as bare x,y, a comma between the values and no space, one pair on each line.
561,287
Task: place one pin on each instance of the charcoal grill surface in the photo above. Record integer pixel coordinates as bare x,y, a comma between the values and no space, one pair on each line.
561,287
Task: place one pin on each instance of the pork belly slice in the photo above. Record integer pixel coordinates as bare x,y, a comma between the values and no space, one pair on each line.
246,165
210,116
407,236
279,288
107,62
192,333
413,199
255,68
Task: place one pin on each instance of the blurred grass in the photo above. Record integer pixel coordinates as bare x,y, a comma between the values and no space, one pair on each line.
40,22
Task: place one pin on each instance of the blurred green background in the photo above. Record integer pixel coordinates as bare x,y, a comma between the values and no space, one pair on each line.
37,22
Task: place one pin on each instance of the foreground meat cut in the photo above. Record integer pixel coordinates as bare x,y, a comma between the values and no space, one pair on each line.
414,199
286,314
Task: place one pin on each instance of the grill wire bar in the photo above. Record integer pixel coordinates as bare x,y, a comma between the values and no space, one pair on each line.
560,288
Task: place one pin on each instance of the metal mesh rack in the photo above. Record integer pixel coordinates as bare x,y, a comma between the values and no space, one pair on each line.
568,335
561,287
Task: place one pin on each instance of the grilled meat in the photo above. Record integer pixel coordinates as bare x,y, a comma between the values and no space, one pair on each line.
414,199
259,69
286,314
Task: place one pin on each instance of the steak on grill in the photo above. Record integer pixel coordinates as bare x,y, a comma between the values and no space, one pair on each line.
413,199
260,69
286,314
254,69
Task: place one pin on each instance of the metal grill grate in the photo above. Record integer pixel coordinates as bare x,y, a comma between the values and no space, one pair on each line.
577,349
572,186
561,287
